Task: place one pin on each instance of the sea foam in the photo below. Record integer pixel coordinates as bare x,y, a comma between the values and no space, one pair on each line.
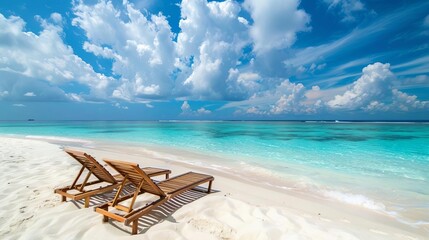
354,199
61,139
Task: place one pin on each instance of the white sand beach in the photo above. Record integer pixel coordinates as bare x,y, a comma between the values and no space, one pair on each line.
237,209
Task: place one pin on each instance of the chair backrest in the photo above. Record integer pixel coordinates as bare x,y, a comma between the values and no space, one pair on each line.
133,173
92,165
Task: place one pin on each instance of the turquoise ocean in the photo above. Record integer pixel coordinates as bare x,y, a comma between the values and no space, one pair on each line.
381,166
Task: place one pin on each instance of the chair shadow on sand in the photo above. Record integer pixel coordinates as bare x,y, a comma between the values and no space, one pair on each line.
159,214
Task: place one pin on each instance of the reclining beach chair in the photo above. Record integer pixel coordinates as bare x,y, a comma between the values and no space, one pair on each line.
105,181
165,190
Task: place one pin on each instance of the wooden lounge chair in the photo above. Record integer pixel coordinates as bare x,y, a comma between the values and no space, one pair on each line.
165,190
105,181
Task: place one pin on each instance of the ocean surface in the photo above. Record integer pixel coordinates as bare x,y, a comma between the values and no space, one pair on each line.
380,166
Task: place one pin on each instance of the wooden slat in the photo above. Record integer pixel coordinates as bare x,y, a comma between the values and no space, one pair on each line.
135,175
183,181
91,164
152,172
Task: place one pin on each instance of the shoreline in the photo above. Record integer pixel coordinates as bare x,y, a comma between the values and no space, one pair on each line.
349,221
254,172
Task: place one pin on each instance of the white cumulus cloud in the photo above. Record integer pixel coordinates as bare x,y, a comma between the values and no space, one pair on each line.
374,91
141,47
210,43
29,94
275,23
286,97
187,110
118,105
404,102
374,83
4,93
45,57
203,111
57,18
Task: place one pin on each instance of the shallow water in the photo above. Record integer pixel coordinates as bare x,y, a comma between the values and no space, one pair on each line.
380,166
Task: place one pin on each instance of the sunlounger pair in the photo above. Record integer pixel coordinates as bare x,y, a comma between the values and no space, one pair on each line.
129,173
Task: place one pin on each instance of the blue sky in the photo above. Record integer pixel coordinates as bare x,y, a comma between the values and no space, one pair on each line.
198,59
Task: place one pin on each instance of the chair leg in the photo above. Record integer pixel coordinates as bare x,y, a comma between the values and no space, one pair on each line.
210,187
105,219
134,227
86,202
63,198
167,176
